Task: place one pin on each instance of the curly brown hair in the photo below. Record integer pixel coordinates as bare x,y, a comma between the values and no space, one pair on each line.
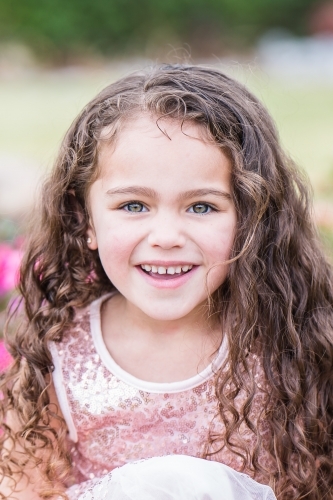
277,298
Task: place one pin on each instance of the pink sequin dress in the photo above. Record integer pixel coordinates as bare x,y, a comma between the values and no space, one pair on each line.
115,419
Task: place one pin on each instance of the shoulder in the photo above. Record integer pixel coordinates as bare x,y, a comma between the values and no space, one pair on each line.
74,335
81,323
80,327
78,336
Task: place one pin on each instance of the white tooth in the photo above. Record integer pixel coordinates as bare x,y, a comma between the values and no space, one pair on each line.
189,268
147,268
154,269
178,269
171,270
185,269
143,266
161,270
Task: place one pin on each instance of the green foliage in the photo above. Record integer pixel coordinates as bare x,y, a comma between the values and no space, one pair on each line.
62,27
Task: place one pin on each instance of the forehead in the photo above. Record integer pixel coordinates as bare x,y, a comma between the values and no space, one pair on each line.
149,127
146,144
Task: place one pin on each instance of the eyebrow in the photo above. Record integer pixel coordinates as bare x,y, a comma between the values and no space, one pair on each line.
151,193
195,193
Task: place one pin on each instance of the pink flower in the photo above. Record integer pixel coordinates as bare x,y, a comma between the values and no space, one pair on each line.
5,357
10,260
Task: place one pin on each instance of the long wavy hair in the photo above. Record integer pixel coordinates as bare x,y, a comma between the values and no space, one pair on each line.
277,298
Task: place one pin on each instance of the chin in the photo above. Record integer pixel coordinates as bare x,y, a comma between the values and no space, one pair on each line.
163,315
166,312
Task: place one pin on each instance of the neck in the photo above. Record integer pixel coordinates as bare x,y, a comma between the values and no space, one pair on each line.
130,321
159,351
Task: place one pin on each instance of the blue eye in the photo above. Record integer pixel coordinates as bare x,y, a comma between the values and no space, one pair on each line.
134,207
201,208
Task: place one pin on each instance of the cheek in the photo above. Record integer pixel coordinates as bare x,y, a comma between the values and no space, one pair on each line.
219,240
218,250
115,247
217,272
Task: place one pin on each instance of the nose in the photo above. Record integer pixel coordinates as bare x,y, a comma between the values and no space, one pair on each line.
166,232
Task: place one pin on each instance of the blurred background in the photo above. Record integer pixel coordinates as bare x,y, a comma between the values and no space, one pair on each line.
57,54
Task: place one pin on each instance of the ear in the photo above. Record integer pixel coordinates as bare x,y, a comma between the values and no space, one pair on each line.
91,237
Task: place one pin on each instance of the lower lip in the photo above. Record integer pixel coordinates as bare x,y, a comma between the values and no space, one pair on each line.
167,280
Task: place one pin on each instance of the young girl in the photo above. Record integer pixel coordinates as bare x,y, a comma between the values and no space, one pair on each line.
178,308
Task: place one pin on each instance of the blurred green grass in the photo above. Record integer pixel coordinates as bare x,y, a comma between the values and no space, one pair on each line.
37,108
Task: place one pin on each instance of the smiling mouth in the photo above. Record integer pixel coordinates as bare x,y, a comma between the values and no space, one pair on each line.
170,272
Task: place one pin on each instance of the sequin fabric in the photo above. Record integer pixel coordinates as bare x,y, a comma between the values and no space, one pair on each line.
117,423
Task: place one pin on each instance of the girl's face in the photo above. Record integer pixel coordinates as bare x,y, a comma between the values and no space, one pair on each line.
162,216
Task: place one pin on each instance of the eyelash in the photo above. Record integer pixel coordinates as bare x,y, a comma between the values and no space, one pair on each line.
123,207
208,205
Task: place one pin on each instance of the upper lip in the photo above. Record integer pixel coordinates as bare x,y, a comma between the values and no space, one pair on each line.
169,263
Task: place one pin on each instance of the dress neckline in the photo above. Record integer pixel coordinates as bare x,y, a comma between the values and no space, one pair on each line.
143,385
